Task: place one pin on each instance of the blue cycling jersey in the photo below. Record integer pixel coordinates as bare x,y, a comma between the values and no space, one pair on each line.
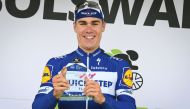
113,75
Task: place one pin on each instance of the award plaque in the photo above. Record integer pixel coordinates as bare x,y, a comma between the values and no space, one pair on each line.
77,83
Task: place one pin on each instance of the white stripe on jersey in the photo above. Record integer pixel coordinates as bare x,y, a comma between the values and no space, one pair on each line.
124,92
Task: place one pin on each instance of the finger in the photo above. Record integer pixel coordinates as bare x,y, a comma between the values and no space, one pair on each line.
91,90
90,86
63,72
55,78
61,85
59,79
60,89
86,79
91,82
91,93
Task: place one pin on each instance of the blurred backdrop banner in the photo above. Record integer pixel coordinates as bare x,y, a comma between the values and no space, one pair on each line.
152,35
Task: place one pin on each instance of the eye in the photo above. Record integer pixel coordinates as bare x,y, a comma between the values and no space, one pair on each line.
82,23
95,23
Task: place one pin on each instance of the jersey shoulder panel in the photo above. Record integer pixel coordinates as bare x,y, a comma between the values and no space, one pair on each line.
56,61
117,61
55,64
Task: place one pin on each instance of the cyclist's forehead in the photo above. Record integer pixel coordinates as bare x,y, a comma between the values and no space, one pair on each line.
89,20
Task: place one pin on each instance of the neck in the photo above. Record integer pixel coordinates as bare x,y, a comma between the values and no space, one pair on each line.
87,50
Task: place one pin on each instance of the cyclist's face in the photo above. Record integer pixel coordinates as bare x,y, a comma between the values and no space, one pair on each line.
89,32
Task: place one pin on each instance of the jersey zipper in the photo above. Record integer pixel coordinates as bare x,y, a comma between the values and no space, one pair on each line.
88,63
87,74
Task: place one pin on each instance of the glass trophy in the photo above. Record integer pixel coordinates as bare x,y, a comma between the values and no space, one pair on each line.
77,82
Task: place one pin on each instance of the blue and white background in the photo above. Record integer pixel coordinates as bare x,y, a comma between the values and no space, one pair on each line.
26,44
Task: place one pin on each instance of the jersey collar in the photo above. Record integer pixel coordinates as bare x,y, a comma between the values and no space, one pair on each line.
93,54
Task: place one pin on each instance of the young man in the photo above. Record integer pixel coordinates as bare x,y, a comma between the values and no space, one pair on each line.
86,78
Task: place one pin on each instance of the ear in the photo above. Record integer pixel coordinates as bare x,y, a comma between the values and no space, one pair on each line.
74,26
103,26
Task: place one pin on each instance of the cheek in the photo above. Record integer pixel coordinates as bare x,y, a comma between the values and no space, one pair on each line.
99,32
100,29
80,31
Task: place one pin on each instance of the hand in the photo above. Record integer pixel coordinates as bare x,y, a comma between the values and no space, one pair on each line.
92,89
60,84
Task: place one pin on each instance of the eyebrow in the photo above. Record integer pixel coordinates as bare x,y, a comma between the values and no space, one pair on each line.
81,21
95,21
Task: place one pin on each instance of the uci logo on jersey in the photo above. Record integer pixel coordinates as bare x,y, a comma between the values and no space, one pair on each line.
46,74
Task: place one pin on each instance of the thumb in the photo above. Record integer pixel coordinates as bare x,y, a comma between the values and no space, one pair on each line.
86,79
63,72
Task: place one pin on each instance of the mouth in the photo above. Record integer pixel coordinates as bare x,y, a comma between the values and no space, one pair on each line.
89,37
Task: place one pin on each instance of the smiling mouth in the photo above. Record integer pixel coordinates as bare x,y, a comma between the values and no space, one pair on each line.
89,36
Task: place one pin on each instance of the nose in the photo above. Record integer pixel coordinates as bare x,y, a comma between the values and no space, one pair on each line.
89,28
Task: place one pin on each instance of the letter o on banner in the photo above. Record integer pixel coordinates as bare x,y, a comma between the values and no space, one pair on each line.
16,12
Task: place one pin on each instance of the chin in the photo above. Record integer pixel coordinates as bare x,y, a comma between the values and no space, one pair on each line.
90,48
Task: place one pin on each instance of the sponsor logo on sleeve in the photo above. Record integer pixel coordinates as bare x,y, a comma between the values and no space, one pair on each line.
128,92
128,78
46,75
45,89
